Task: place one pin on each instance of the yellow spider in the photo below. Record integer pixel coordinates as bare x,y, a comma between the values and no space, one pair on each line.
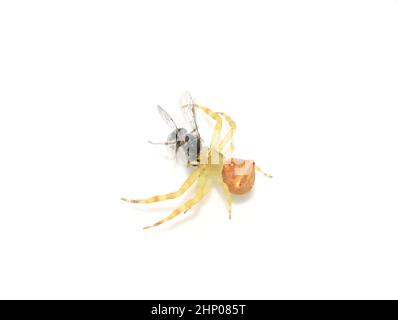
234,175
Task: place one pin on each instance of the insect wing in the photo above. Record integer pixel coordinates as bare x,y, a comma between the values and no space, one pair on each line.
188,111
167,118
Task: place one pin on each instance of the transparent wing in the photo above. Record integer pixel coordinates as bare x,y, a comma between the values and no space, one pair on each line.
167,118
188,110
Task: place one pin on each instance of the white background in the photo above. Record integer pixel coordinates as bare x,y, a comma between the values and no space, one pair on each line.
312,86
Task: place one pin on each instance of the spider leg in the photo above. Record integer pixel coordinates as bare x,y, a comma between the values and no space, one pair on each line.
227,195
261,171
185,186
200,186
229,135
217,128
219,146
222,144
202,190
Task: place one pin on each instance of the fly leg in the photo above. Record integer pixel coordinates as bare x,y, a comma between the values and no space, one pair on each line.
163,143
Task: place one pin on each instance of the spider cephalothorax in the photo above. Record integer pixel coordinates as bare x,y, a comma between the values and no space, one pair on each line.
234,175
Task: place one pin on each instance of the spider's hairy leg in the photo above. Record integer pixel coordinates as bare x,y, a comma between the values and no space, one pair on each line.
229,135
217,128
261,171
202,190
185,186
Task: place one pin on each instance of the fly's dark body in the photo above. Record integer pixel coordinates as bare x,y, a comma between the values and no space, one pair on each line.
188,139
189,142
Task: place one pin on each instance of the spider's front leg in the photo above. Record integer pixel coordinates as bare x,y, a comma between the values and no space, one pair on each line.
229,135
219,146
185,186
217,128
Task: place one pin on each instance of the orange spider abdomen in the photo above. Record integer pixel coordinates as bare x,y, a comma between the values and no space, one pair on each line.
239,175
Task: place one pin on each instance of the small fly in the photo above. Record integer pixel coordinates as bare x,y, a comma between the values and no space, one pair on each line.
187,138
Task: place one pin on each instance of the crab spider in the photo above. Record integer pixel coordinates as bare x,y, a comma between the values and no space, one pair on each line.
234,175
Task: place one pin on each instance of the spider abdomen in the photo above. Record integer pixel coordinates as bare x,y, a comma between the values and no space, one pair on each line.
239,175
